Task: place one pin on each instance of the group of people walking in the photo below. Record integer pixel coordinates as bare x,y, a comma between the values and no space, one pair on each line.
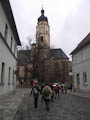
48,93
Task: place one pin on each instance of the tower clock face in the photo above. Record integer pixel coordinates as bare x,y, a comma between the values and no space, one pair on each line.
42,28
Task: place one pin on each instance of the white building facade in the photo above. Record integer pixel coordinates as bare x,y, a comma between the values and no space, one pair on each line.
81,65
9,40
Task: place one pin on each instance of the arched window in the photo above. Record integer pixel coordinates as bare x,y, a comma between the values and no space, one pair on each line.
57,71
41,38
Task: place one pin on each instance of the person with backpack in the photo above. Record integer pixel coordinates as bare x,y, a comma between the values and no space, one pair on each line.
35,92
62,88
42,96
47,93
52,96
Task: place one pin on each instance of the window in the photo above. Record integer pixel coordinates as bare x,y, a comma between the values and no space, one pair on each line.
64,66
46,32
15,48
9,74
78,80
11,41
41,38
76,59
83,56
57,71
6,31
13,77
42,28
2,72
84,78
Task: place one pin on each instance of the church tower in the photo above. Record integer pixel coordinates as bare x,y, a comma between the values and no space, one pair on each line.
43,46
43,31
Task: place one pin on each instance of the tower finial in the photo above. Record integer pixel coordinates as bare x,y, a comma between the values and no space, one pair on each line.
42,6
42,11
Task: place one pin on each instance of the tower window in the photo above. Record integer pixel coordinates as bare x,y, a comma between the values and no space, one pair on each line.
42,28
46,32
41,38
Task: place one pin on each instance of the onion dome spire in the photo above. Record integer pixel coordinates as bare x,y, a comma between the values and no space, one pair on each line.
42,17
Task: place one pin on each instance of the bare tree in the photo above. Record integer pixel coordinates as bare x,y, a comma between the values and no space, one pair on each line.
29,42
39,61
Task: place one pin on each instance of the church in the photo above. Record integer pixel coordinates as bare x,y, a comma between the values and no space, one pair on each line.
41,62
49,65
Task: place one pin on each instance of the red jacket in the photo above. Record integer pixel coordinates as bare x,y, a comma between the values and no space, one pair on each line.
57,88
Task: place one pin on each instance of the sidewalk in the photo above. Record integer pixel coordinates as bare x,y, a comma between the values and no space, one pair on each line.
81,94
10,104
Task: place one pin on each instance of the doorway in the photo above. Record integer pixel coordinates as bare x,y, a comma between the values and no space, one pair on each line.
78,80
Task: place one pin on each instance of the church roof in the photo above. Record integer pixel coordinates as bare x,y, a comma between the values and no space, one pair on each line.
58,53
23,57
42,17
82,44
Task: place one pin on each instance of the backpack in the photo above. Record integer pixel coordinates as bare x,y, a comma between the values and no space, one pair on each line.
35,92
46,92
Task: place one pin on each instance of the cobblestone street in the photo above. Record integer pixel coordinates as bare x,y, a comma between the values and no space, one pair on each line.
68,107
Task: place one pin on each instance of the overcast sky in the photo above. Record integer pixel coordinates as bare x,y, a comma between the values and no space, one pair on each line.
69,20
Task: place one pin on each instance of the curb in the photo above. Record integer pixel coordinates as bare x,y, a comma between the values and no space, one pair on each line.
17,108
80,95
